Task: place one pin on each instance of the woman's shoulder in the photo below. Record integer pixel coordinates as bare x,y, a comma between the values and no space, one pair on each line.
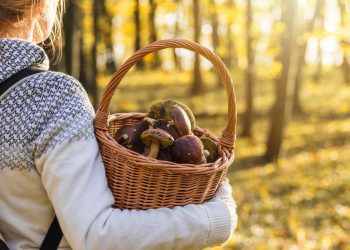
58,92
58,86
59,80
63,109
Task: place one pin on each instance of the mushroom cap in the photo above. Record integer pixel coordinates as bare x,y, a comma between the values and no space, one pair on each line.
123,134
163,110
211,147
164,154
157,135
135,143
168,127
187,149
181,120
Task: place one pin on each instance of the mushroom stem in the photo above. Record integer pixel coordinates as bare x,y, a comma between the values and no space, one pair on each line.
154,149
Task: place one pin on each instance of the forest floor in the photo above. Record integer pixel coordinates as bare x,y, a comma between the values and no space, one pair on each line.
300,202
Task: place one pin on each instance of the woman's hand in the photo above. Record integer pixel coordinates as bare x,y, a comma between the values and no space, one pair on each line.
224,193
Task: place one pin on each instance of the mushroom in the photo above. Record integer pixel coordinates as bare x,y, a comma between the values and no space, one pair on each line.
135,143
181,121
168,127
164,110
164,154
123,134
187,149
154,138
210,148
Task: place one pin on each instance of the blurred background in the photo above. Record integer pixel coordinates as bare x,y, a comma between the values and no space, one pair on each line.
290,64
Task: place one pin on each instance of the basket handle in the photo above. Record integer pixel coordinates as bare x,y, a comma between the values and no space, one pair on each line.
228,137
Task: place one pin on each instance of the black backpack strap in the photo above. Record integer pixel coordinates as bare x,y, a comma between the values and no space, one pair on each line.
3,246
54,234
5,85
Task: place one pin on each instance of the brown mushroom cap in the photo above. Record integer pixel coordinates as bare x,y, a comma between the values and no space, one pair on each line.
187,149
135,143
123,134
154,138
157,135
168,127
163,110
164,154
211,147
181,120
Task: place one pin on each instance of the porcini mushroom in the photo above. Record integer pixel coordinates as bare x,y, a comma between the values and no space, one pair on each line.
154,138
164,154
135,143
123,134
164,109
187,149
168,127
181,121
211,148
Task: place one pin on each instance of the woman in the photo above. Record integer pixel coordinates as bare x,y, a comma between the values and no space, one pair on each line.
50,164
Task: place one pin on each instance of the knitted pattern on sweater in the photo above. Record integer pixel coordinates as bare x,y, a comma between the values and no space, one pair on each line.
33,114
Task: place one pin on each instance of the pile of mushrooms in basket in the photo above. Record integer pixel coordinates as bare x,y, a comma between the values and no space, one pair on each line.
166,134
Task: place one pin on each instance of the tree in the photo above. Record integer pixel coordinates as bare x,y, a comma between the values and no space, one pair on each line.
108,38
318,73
197,86
215,33
296,106
249,112
230,58
214,24
93,84
137,21
177,60
278,121
72,34
153,33
344,42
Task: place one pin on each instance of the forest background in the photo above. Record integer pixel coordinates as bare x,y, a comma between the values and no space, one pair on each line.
290,64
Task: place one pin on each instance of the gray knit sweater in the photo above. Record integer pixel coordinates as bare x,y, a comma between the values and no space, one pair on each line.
50,164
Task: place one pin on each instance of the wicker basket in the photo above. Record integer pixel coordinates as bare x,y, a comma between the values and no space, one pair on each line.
139,182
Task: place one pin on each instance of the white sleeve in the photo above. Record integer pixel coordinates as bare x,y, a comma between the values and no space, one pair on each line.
67,157
74,178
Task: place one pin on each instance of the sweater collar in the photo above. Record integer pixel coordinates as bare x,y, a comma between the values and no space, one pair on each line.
16,55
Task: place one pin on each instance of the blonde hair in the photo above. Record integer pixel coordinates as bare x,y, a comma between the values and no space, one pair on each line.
14,11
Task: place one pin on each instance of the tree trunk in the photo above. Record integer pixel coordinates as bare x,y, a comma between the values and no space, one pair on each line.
345,65
153,33
72,21
88,59
108,39
231,59
197,86
83,75
215,25
318,74
139,65
177,60
94,88
215,35
346,69
249,112
278,121
296,106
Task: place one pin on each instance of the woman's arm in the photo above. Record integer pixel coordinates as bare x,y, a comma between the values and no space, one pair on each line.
74,178
73,175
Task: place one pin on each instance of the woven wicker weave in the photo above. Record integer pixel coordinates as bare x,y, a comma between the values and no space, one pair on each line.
139,182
